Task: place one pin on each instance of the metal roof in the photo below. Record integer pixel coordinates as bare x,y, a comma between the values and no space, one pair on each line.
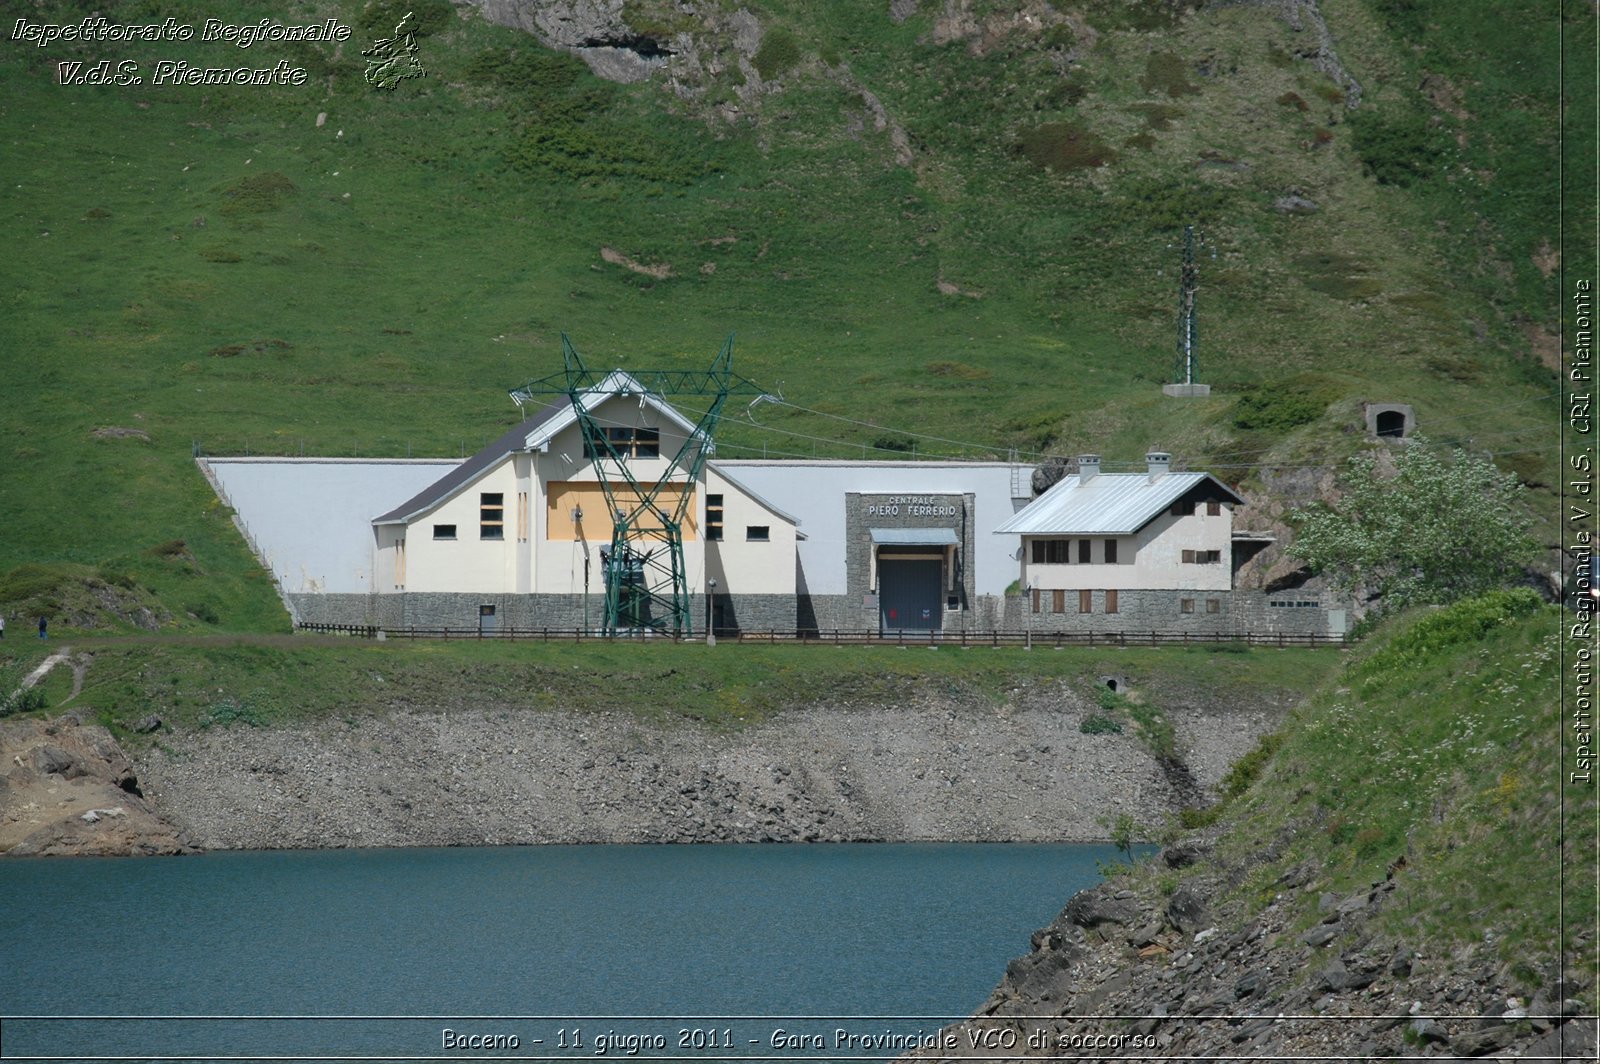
532,434
915,537
458,478
618,383
1110,504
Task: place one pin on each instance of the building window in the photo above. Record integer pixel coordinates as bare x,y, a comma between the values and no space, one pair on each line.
1083,552
1111,552
714,518
1183,509
635,442
758,533
1051,551
1213,508
624,441
1111,602
492,515
1202,557
444,531
1058,601
1085,602
1213,605
1186,605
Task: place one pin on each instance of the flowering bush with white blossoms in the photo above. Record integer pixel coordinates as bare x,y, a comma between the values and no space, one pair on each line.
1444,525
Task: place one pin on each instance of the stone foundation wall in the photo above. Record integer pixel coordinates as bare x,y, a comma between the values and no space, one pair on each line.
1206,613
1236,612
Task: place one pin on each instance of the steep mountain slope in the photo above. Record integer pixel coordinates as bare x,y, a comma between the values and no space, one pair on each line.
941,228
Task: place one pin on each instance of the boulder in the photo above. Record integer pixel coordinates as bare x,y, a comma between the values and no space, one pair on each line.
1090,908
1186,909
52,760
1183,854
1321,936
1426,1031
1251,983
1570,1041
1337,978
1484,1040
1044,975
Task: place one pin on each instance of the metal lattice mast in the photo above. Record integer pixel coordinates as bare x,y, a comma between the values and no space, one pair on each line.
1188,363
646,585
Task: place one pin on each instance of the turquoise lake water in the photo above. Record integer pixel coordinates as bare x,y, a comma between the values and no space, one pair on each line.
555,947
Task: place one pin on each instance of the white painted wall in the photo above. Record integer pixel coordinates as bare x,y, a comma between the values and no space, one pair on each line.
469,562
311,518
1150,560
814,492
742,566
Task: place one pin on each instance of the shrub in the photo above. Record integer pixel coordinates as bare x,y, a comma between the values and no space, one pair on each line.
231,711
1247,769
1273,409
257,194
779,51
1100,725
1064,146
1164,72
1397,149
1442,526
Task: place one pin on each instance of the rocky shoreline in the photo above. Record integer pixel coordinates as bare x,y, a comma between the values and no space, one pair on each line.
1130,971
951,769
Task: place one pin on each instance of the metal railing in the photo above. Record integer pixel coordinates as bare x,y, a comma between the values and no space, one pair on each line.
843,637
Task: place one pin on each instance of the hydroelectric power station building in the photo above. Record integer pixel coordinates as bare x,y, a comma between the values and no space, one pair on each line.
517,536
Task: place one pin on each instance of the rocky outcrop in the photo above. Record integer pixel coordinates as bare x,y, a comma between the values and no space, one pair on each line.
593,30
67,788
1178,976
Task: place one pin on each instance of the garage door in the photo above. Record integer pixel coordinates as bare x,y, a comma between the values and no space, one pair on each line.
909,594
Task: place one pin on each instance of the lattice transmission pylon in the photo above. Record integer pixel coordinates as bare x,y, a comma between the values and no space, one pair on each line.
646,586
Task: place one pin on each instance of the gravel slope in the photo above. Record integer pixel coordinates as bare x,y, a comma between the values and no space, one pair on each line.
936,770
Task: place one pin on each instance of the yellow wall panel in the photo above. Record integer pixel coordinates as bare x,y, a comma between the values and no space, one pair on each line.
565,497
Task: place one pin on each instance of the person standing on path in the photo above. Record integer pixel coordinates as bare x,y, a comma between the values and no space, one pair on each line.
44,627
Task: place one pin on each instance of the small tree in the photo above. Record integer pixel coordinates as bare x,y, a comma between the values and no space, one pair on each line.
1442,526
1122,828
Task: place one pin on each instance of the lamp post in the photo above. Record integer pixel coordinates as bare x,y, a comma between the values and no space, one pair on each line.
1027,612
711,633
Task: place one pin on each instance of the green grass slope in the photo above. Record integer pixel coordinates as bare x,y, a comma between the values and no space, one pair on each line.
961,228
280,681
1434,756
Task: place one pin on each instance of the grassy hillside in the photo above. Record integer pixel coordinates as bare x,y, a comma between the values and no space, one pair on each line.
1432,757
961,228
268,681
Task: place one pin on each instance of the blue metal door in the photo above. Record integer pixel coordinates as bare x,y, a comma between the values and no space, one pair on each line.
909,594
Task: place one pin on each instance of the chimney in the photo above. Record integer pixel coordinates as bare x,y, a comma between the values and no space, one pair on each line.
1088,468
1160,462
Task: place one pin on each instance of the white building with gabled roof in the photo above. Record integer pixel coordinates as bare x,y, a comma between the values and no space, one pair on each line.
512,537
1156,530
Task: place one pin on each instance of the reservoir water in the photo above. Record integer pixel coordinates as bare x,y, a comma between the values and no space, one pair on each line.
333,953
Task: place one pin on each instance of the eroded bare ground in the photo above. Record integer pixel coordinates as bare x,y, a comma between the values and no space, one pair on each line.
68,789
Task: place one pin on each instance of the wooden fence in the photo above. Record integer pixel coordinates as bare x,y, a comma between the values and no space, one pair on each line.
849,638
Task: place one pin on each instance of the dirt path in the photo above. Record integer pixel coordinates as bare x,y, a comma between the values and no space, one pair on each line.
43,670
